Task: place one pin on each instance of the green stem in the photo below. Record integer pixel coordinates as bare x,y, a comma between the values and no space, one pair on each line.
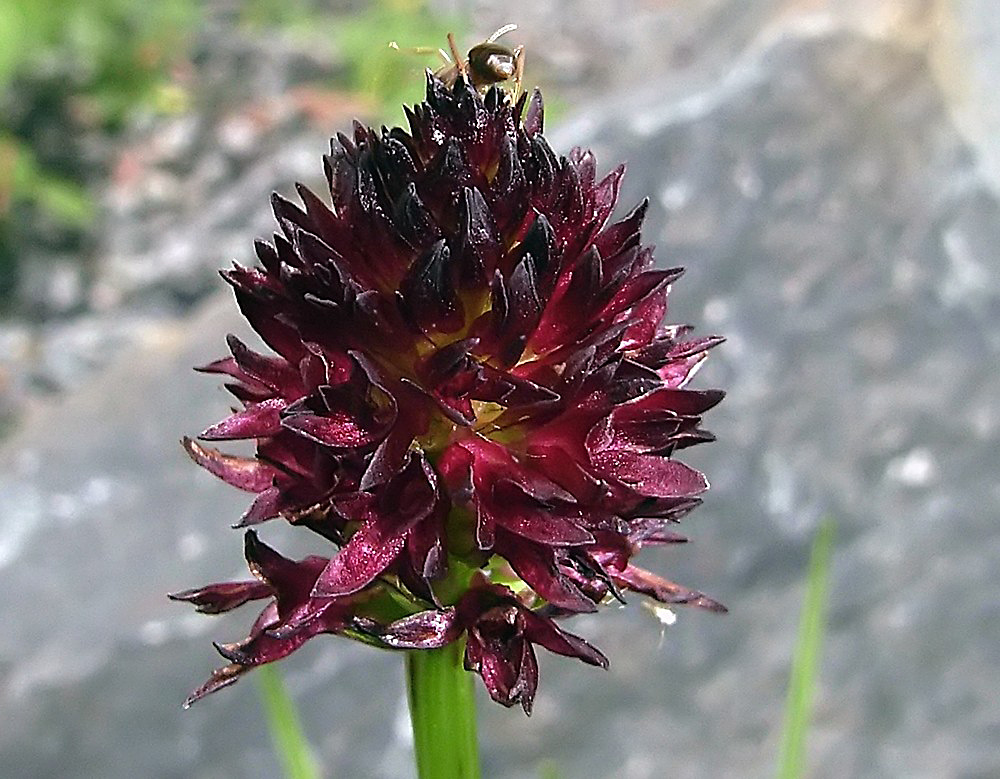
443,713
289,739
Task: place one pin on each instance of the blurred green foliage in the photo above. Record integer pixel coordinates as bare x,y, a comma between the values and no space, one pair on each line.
74,72
391,77
68,68
386,77
113,53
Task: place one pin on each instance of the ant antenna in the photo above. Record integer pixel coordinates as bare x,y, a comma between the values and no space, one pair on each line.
502,31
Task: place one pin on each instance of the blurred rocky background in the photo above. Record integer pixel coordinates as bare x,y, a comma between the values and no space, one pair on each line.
826,170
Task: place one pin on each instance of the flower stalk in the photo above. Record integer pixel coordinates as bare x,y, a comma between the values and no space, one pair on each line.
443,713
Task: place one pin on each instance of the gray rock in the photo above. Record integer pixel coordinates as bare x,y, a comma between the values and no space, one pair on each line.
836,228
102,514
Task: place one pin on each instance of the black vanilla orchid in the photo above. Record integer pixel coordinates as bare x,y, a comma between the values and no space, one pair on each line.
471,395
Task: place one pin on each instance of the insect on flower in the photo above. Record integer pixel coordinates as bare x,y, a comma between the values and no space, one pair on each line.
487,63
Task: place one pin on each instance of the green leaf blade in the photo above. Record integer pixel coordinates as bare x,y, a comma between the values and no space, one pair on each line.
283,722
805,661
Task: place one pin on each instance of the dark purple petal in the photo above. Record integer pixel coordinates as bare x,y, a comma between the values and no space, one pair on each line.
481,248
371,550
678,401
255,421
527,678
390,456
339,429
639,289
426,630
672,509
665,590
241,472
534,118
645,319
267,505
428,292
650,474
500,674
426,546
543,631
545,527
221,677
654,530
248,385
276,374
620,235
536,564
217,598
606,195
287,577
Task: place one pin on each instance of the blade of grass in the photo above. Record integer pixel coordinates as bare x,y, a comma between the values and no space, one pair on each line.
805,661
285,727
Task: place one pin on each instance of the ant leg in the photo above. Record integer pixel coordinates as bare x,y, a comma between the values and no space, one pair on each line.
459,61
518,71
422,50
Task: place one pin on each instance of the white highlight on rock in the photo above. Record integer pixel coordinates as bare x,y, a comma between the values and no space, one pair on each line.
675,195
154,632
191,546
914,469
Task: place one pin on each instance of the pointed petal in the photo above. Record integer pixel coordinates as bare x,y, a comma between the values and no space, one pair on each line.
258,420
678,401
241,472
277,374
486,527
606,195
225,596
481,247
534,119
428,291
390,456
339,429
650,474
536,564
543,631
426,630
664,590
489,660
527,679
289,578
545,527
221,677
267,505
371,550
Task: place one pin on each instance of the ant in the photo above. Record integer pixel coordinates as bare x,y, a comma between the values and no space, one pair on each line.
488,63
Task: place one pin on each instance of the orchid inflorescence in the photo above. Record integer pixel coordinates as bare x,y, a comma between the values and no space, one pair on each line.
471,395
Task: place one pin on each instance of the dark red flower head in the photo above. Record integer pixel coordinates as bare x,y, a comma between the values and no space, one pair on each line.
468,372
